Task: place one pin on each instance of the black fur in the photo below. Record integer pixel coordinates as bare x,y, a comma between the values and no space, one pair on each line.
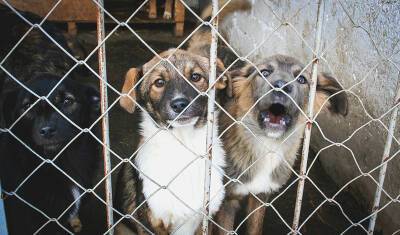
39,64
36,53
130,196
47,189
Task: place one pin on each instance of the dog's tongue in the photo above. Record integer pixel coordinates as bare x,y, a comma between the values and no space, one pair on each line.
275,118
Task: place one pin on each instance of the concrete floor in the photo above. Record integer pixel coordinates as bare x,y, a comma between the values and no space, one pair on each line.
125,51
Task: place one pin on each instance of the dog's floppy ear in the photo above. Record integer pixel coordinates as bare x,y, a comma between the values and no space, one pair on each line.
244,72
241,78
327,86
237,73
131,78
225,82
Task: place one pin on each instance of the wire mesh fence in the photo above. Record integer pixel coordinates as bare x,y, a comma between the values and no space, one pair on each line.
215,107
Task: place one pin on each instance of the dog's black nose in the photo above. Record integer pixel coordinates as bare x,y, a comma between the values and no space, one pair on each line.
282,84
179,104
47,131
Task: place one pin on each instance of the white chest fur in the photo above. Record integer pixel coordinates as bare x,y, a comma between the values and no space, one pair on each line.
271,154
171,158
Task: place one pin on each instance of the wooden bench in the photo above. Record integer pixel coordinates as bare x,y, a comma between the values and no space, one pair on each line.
85,11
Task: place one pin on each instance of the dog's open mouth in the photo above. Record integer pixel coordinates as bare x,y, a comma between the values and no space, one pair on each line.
275,118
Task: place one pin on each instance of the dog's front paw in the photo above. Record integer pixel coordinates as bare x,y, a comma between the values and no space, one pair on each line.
167,15
152,15
76,224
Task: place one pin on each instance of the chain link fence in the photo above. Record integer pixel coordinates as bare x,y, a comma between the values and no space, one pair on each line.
294,225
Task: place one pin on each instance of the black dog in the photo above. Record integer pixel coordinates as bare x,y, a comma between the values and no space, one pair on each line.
46,132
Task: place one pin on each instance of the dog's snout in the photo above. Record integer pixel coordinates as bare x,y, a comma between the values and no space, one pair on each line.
47,131
282,84
178,105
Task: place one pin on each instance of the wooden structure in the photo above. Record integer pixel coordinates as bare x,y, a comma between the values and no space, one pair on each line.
85,11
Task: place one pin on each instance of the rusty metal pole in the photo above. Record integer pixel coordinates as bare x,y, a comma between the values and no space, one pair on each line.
210,115
310,114
385,156
104,107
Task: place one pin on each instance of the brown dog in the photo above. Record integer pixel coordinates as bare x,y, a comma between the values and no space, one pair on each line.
261,152
166,194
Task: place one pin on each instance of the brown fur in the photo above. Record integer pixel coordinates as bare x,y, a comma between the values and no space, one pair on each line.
257,211
232,6
139,87
242,150
200,42
156,69
122,229
128,188
130,81
224,217
76,224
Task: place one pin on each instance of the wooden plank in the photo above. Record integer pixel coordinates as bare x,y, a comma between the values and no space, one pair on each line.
84,11
179,18
67,10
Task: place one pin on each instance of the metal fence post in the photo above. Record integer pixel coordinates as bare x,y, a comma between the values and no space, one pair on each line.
104,108
385,156
310,116
211,114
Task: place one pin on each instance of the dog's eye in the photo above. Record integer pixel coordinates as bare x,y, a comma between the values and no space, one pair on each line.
301,79
159,83
195,77
266,72
68,100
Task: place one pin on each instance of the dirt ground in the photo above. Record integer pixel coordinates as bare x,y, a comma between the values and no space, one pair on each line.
124,50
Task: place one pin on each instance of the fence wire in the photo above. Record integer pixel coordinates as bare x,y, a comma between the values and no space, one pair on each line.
301,176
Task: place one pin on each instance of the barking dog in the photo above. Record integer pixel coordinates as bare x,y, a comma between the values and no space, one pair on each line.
171,158
47,132
272,131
